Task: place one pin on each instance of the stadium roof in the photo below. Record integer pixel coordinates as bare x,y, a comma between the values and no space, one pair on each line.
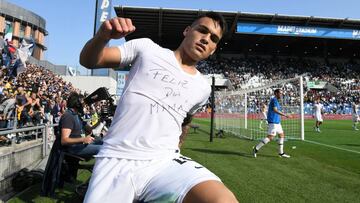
165,26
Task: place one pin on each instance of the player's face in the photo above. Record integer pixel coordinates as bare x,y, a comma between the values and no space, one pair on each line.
278,95
201,38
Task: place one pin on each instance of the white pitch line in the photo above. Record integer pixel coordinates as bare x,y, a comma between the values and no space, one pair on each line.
318,143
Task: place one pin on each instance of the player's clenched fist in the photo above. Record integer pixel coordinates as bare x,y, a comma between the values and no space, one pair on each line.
115,28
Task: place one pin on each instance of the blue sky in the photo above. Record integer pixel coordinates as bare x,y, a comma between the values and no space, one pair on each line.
70,22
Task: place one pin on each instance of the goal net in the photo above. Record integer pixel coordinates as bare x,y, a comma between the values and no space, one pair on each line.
241,112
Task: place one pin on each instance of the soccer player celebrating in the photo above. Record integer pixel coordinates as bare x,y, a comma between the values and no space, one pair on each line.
263,116
140,160
273,119
318,111
355,114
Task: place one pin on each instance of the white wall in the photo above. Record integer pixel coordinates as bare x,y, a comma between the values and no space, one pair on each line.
91,83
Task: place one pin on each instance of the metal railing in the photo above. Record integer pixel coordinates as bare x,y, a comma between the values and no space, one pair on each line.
17,136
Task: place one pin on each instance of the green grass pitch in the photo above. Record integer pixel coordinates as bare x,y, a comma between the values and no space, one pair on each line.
324,168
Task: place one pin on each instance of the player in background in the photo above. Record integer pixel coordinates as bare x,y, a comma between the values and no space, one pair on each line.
355,114
263,117
274,118
318,111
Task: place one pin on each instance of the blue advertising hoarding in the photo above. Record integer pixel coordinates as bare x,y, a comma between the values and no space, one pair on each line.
122,77
103,13
300,31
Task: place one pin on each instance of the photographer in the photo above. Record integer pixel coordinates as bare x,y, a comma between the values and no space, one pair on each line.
72,137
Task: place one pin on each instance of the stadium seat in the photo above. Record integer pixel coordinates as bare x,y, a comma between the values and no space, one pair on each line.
73,164
62,167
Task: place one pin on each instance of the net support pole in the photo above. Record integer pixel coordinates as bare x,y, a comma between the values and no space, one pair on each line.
212,108
245,113
302,108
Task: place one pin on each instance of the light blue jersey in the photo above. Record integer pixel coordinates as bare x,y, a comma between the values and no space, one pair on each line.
273,117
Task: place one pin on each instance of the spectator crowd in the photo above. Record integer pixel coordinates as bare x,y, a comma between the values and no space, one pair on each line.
32,95
252,72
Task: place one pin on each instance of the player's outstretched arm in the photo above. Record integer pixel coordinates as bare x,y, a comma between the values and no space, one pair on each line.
95,54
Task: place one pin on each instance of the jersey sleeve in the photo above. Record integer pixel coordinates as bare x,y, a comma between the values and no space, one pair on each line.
197,107
131,49
205,100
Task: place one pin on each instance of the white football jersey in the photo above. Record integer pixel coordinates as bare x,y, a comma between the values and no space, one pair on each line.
318,107
157,97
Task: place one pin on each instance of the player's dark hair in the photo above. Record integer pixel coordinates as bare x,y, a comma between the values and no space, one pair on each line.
216,17
277,91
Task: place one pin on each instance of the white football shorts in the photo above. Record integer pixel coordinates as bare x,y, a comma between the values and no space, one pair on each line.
263,116
158,180
355,118
275,129
318,117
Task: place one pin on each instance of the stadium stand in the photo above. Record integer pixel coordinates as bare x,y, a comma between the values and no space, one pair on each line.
253,72
34,97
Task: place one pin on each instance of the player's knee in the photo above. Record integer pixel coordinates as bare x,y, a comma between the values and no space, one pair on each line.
210,192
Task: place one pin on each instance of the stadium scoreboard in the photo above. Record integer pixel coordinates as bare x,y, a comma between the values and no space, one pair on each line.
297,31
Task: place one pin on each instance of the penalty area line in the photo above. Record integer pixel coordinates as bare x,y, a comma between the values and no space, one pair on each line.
330,146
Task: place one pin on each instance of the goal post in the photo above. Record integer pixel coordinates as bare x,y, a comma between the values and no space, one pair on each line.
242,113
